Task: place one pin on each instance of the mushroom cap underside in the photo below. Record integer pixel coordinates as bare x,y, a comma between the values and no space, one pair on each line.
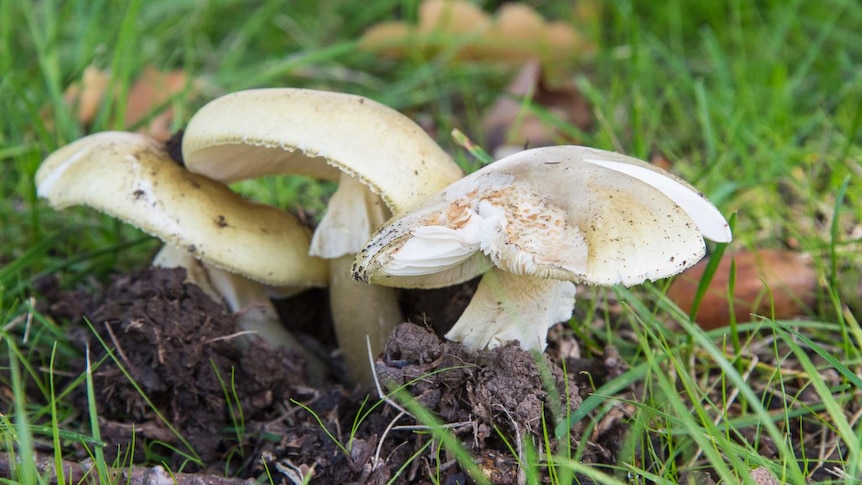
261,132
552,212
132,178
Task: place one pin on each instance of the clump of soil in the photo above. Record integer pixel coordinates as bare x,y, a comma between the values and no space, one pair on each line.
500,388
483,397
176,344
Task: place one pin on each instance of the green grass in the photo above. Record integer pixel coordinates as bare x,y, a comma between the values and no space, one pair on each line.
759,104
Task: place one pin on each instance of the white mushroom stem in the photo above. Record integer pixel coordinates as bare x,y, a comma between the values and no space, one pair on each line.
509,307
358,310
248,300
352,214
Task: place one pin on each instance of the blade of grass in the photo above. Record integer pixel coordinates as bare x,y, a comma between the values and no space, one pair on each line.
322,426
98,451
477,151
834,409
123,62
694,419
26,469
445,436
55,425
703,341
709,272
601,395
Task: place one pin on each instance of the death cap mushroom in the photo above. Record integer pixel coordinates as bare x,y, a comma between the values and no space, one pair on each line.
543,220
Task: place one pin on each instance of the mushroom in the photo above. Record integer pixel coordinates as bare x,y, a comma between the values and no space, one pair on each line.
384,163
542,220
229,246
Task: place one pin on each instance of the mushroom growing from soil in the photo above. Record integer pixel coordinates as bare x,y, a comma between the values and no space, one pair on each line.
384,164
229,246
542,220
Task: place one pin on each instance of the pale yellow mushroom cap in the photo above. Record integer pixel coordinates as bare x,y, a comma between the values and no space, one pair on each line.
132,178
260,132
566,212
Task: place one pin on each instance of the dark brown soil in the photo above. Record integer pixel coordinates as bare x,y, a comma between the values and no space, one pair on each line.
158,337
153,335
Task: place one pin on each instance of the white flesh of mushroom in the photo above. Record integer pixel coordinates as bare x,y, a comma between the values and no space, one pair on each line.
561,213
352,214
510,307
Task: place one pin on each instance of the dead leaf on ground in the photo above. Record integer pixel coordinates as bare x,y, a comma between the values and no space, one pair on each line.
149,97
152,91
766,279
510,124
87,95
660,160
515,34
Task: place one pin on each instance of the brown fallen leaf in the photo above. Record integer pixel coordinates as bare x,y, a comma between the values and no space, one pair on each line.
151,92
438,22
509,127
451,17
390,40
659,159
87,95
515,34
148,96
788,275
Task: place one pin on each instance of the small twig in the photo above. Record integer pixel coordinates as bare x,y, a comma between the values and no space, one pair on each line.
380,394
422,427
835,442
13,323
291,411
230,337
29,324
120,349
383,438
519,447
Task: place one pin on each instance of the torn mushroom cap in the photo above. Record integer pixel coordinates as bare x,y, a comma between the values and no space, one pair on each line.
566,213
260,132
132,177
